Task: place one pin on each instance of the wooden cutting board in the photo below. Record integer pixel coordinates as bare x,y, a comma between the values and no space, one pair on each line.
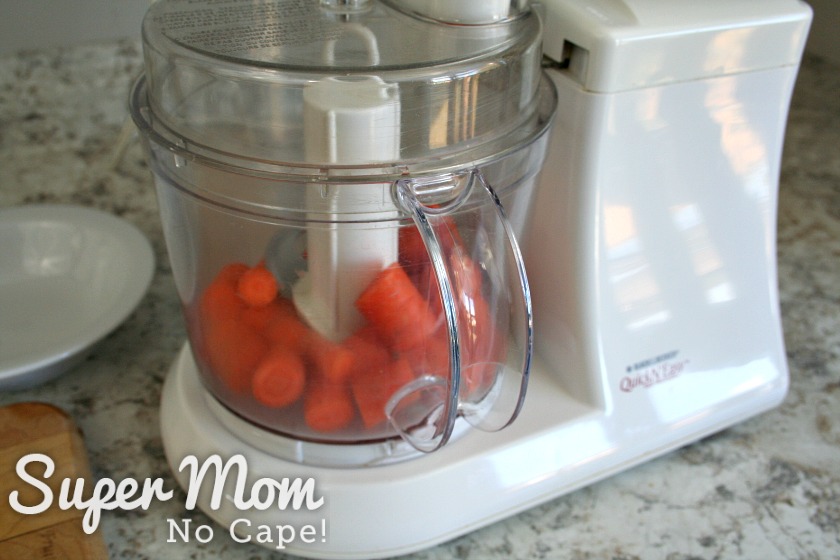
54,534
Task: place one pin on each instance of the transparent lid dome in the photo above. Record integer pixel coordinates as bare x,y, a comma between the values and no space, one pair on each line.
341,83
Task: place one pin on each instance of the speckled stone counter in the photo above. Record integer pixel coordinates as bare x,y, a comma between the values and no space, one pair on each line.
767,488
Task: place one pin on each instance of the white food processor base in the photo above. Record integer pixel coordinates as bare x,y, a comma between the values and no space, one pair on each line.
557,444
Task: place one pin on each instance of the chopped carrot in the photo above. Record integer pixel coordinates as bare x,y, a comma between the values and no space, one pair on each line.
255,342
279,379
283,326
230,273
394,307
415,260
233,352
219,301
328,407
334,362
412,249
262,318
257,286
232,349
368,349
372,388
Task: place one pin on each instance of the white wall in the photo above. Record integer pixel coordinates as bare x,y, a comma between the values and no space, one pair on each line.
26,24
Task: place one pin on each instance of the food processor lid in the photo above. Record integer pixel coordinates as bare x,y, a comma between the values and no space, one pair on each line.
294,34
230,75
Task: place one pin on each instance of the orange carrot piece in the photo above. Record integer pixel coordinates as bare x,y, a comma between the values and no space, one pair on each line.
412,249
368,349
334,362
327,407
233,352
230,348
372,388
283,326
230,273
219,301
257,286
262,318
279,379
415,260
394,307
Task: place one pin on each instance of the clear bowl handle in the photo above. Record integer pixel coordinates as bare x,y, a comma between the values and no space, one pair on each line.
486,304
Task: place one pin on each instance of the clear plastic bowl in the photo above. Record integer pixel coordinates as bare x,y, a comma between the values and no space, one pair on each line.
340,189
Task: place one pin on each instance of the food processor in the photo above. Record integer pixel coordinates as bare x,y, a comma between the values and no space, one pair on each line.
387,220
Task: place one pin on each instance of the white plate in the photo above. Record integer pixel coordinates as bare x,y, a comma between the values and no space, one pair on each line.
68,276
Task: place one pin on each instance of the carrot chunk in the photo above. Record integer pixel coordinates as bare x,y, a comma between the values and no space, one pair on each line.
334,362
328,407
230,273
256,344
368,350
231,349
394,307
412,249
257,286
373,387
259,318
283,326
279,378
219,301
233,352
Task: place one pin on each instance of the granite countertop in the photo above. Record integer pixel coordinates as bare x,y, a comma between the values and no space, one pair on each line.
767,488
